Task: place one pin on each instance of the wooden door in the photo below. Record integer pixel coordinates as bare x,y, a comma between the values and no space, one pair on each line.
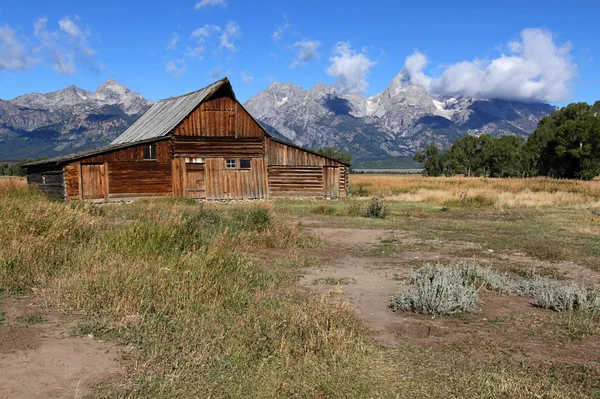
93,181
194,179
331,182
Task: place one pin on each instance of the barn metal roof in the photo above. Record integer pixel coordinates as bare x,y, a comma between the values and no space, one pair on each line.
165,115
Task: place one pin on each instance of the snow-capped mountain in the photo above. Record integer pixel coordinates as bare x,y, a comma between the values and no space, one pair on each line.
67,120
398,121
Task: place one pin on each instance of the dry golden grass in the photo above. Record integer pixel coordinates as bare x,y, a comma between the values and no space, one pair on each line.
7,182
474,191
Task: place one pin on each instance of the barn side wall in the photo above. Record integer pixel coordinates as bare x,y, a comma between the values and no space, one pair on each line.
294,172
127,174
49,180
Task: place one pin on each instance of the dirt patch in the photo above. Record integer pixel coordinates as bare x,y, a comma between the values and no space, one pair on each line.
39,358
377,261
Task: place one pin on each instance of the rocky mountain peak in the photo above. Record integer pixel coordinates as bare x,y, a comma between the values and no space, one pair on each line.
400,120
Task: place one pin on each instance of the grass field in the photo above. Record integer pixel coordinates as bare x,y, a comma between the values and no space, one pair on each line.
256,299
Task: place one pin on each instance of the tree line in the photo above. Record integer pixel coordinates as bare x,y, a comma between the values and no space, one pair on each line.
566,144
14,169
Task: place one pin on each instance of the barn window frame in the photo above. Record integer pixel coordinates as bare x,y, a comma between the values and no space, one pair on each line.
245,164
149,153
231,164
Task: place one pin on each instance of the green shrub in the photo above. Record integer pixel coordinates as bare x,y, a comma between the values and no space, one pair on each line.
376,209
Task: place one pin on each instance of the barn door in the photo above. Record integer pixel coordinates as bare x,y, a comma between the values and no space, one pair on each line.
194,180
331,182
93,181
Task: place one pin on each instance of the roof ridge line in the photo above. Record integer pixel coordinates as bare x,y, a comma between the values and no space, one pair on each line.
193,92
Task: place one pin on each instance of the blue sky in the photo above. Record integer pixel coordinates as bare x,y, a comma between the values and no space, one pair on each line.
525,50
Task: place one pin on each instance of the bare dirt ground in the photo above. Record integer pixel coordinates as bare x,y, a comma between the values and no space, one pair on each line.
39,358
368,266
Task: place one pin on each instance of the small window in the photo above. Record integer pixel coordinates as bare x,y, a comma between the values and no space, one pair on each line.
245,164
150,152
231,164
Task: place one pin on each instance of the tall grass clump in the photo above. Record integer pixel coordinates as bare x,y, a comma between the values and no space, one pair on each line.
174,280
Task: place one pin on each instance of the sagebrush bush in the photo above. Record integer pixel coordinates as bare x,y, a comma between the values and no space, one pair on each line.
548,294
376,209
454,284
440,290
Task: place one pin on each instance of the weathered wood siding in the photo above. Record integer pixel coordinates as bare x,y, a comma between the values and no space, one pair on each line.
295,181
72,181
219,117
190,146
124,173
281,154
93,179
51,182
331,181
222,183
343,181
133,154
139,179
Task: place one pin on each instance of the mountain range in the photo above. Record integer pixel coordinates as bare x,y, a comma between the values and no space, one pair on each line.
398,121
69,120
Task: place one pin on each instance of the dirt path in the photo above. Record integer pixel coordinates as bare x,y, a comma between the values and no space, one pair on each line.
39,358
370,265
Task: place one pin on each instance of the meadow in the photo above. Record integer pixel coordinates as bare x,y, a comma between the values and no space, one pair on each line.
268,299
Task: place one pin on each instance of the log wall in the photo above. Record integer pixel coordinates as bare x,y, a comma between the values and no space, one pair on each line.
50,182
139,179
133,154
294,181
189,146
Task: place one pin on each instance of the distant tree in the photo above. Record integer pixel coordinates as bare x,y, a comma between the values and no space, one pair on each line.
431,159
16,169
335,153
566,144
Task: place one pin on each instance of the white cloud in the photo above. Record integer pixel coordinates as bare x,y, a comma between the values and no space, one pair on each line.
195,52
209,3
78,36
215,73
232,30
173,42
535,69
12,52
307,51
206,31
246,78
278,34
350,69
67,46
176,68
67,25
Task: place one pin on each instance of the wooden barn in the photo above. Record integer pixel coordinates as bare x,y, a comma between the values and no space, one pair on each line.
202,145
